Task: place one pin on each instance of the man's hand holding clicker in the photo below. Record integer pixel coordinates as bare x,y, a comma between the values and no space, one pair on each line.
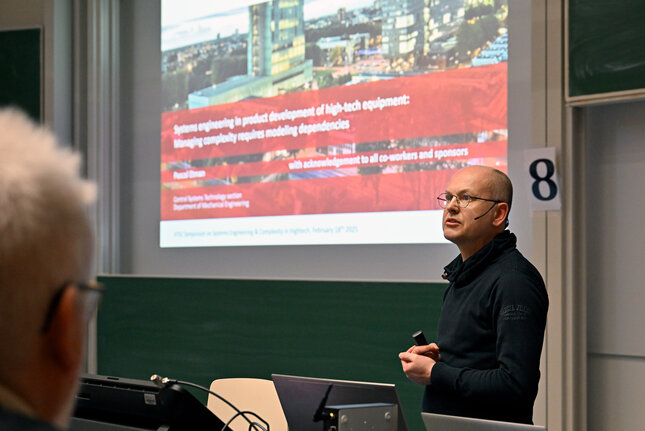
417,362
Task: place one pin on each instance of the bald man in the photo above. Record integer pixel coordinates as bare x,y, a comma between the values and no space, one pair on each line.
45,255
485,361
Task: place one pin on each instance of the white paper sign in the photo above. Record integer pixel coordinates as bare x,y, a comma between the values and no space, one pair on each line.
542,179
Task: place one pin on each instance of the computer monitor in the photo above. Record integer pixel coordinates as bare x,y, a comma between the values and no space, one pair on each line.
300,398
114,403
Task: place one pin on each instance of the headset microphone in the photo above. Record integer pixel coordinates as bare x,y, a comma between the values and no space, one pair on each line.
477,218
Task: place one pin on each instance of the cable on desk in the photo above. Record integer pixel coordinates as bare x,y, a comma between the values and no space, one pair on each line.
252,424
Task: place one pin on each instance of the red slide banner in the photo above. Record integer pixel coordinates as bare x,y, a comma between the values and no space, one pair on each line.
407,191
441,103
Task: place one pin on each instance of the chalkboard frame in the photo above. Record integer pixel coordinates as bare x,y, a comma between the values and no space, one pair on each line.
575,96
22,74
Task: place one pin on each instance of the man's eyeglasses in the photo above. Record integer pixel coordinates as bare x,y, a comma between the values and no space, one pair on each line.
92,292
463,201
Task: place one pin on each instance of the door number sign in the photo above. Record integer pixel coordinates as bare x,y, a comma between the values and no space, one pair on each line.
542,179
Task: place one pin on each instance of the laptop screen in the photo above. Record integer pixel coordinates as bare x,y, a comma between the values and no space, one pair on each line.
301,397
437,422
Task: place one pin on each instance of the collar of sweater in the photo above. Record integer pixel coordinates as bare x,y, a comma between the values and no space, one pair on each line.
460,272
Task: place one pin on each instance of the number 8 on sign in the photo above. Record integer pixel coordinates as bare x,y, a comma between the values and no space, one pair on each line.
546,179
544,190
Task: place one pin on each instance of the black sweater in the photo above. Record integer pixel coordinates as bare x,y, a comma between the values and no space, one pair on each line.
490,335
10,421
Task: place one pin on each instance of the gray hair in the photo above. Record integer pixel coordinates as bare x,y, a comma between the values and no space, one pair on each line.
45,233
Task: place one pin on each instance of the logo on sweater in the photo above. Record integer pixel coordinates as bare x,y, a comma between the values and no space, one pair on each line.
515,312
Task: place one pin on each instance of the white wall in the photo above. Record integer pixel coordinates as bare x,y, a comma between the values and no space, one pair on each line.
615,182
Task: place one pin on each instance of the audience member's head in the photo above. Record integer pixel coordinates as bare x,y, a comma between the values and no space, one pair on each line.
45,258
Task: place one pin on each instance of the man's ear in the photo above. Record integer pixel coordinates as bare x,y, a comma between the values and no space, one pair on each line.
501,213
66,334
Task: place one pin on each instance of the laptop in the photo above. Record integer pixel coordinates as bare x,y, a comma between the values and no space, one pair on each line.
301,397
437,422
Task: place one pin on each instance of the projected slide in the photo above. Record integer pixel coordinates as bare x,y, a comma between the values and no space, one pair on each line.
325,122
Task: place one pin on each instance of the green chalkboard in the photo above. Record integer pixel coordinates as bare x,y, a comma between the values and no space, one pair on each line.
606,46
20,70
202,329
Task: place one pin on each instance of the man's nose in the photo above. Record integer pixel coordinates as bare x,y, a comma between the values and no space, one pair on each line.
453,205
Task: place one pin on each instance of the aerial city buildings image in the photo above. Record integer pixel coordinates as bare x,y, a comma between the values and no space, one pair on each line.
282,51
